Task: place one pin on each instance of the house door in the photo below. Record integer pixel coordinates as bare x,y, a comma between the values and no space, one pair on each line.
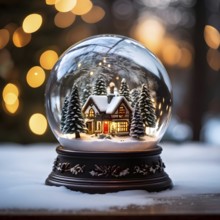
105,130
89,127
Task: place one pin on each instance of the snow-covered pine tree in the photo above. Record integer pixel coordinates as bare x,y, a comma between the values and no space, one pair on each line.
137,129
64,113
146,107
124,90
100,86
86,93
74,119
135,95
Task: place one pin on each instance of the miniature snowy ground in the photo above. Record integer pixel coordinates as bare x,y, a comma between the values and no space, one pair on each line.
116,144
194,169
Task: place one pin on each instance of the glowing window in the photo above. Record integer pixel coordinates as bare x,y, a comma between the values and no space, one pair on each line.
123,126
91,113
99,125
121,111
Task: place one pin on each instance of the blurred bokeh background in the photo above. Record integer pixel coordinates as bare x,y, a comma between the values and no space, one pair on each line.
184,34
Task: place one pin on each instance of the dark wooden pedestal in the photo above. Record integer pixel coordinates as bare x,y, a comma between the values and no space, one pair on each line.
96,172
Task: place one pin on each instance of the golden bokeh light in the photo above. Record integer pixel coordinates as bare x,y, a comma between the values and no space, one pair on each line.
65,5
4,37
32,23
212,37
186,58
10,97
13,107
213,58
48,58
38,124
171,53
11,27
10,88
20,38
35,77
95,15
150,32
64,20
82,7
50,2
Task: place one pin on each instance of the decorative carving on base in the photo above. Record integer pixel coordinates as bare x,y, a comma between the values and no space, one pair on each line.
106,170
96,172
146,169
67,167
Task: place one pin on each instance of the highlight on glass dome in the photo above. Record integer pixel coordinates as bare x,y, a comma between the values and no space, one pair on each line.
108,93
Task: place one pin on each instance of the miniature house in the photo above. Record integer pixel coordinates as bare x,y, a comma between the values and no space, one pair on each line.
108,114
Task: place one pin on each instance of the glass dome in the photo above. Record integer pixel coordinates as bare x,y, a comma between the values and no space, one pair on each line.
108,93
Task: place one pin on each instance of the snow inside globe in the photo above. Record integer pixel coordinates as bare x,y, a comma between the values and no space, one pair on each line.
108,93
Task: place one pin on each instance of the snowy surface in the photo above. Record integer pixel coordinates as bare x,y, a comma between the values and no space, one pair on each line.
116,144
194,169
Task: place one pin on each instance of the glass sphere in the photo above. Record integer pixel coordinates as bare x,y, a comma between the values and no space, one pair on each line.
108,93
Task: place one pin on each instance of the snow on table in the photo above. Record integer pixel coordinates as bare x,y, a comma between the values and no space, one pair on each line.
194,169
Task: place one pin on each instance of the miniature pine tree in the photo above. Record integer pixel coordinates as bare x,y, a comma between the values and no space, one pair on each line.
64,113
137,129
124,90
74,119
100,86
147,108
86,93
135,95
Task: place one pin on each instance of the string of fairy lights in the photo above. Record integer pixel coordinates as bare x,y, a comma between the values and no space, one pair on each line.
149,30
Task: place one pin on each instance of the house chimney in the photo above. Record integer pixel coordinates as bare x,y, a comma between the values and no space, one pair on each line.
111,94
112,87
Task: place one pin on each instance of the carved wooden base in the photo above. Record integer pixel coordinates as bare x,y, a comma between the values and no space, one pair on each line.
95,172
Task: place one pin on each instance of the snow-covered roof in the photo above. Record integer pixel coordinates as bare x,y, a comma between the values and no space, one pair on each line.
101,102
115,102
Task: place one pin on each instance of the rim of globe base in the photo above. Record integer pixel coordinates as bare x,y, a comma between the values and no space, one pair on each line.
98,172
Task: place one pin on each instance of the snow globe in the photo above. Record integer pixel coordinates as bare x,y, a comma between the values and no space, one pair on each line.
108,103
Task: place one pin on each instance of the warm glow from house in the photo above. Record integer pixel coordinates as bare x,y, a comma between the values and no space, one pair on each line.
4,37
82,7
35,77
48,58
38,124
65,5
150,32
212,36
64,20
95,15
20,38
32,23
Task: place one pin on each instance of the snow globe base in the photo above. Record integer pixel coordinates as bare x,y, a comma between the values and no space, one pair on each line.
98,172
